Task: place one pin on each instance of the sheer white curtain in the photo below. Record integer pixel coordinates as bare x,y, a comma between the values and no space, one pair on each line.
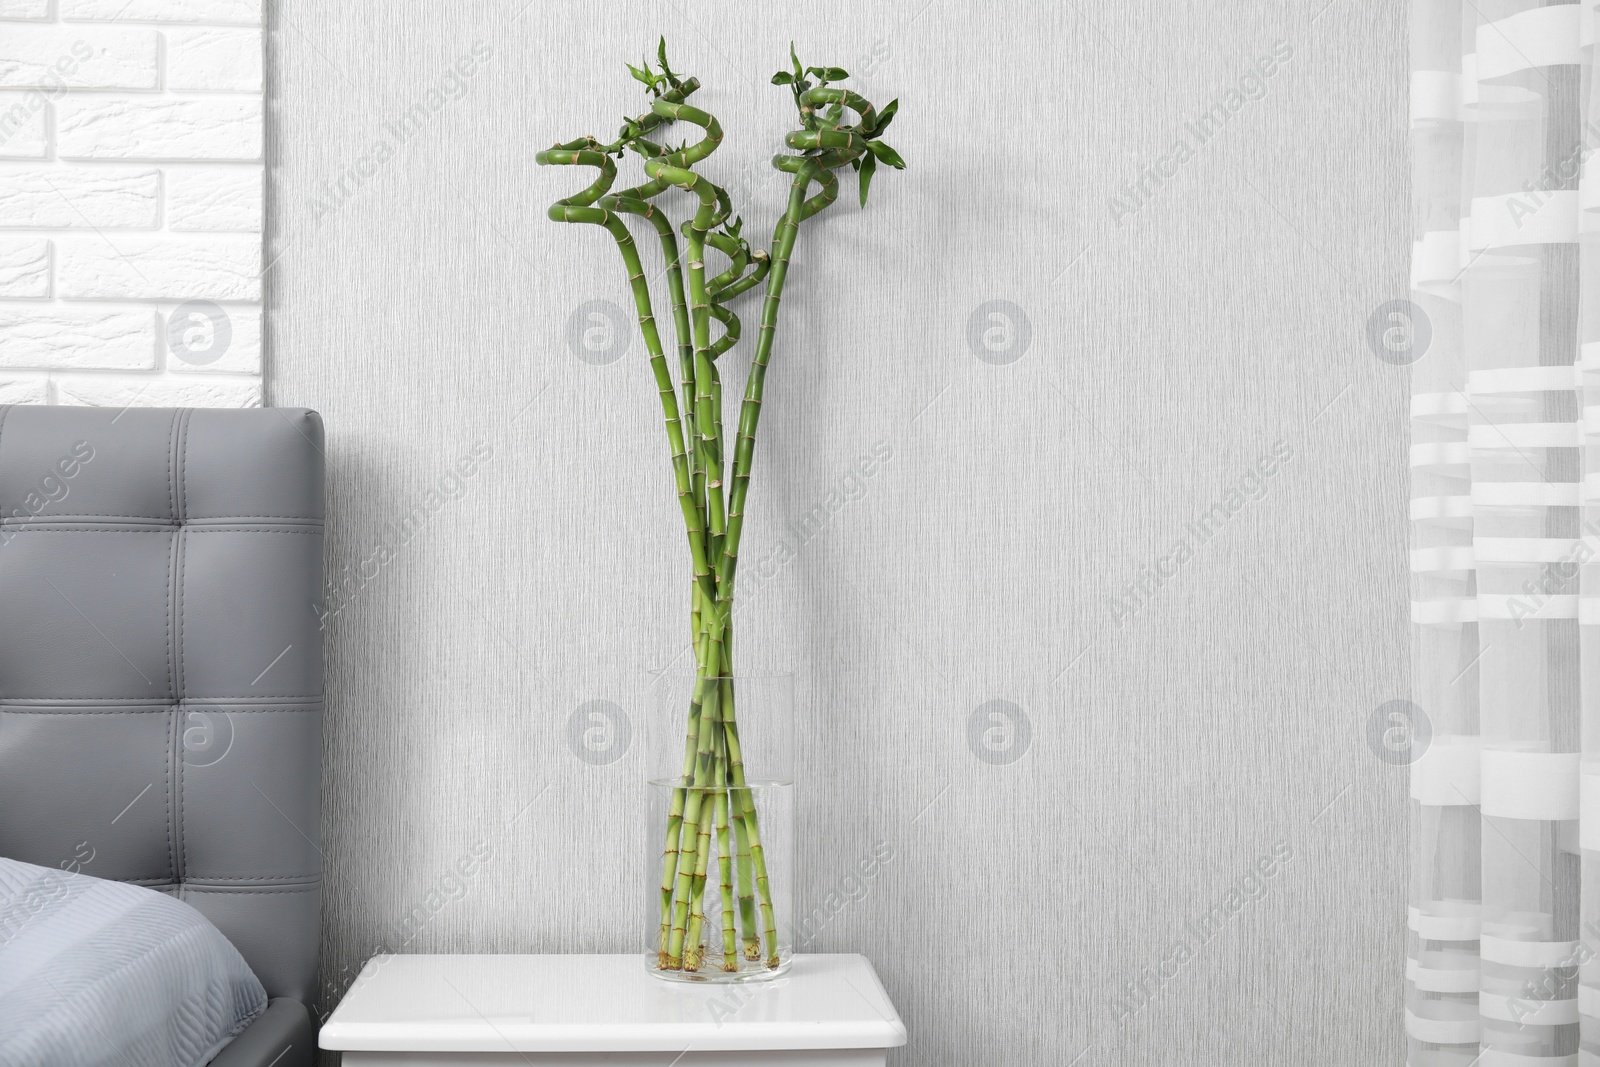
1503,965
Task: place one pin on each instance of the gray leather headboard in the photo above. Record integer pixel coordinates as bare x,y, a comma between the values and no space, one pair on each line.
161,661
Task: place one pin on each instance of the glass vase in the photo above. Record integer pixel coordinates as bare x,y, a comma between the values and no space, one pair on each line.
720,850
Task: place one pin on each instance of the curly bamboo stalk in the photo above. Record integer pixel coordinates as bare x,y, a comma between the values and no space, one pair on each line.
576,209
700,321
653,187
783,241
837,147
632,200
783,246
806,171
680,314
713,794
674,272
711,199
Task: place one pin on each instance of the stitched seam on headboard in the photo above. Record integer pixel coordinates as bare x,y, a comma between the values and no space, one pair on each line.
308,887
180,716
174,734
288,882
166,787
44,528
181,483
172,446
168,521
9,708
140,706
181,557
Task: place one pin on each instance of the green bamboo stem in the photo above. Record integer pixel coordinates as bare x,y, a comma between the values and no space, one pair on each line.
697,914
704,702
755,277
644,191
730,958
669,251
670,855
694,950
670,956
717,772
836,146
744,815
758,855
829,184
783,240
692,882
680,314
748,930
730,336
738,253
715,766
698,548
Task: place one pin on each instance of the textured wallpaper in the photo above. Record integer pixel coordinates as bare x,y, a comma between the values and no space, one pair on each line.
1091,654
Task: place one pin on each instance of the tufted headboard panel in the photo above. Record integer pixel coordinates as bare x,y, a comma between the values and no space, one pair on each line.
161,661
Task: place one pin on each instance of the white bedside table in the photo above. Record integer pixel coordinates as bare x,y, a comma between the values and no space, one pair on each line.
588,1011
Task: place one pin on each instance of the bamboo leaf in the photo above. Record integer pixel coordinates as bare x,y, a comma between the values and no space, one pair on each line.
869,164
783,77
836,74
798,73
667,72
885,117
887,154
642,75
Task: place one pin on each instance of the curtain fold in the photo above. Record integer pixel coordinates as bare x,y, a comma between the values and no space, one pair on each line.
1503,962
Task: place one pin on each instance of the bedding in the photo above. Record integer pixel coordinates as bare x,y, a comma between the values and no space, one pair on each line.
95,973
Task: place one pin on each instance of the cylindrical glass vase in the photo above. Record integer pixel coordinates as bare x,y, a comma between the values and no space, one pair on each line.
721,827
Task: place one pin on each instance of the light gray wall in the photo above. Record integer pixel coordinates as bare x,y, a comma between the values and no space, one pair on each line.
423,307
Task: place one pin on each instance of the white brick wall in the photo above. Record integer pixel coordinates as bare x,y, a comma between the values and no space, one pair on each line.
130,202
